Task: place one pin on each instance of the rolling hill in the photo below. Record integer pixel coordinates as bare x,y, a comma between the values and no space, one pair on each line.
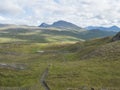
112,28
92,34
63,26
87,64
103,48
57,33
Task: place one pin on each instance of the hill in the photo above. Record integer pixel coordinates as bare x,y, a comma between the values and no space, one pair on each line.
112,28
44,35
3,25
103,48
87,64
116,37
35,34
62,25
92,34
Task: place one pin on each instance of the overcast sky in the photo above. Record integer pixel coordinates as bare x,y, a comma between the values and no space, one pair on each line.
80,12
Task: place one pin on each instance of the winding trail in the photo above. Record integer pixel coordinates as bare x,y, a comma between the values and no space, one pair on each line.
43,82
45,74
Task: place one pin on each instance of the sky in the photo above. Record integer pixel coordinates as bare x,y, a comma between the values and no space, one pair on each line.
80,12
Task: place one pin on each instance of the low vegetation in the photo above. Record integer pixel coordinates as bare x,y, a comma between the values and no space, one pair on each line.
73,65
87,64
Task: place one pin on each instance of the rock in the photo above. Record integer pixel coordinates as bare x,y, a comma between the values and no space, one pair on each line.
13,66
116,37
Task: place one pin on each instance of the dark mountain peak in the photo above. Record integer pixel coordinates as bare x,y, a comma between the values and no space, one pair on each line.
61,22
65,24
114,27
62,25
44,25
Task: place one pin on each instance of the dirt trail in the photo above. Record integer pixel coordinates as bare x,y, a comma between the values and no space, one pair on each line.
44,76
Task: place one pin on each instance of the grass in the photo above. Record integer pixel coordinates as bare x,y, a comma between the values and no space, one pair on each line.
93,73
6,40
37,35
67,70
92,63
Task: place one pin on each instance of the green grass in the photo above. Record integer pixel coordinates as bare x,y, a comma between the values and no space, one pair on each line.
67,70
37,35
93,63
75,74
7,40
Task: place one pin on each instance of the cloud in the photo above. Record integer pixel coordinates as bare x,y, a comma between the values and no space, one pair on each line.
2,18
9,8
80,12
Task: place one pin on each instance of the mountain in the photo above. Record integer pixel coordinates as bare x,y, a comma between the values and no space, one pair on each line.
112,28
4,25
63,25
91,34
44,25
58,31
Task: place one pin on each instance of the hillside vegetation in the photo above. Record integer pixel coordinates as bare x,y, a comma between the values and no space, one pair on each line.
85,64
59,32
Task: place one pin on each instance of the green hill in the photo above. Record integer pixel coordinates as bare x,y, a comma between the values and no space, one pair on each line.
36,34
12,33
78,66
98,48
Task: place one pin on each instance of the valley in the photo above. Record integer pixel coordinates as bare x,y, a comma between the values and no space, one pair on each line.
75,63
59,44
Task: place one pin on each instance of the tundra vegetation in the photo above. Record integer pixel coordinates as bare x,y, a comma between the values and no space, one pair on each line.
74,64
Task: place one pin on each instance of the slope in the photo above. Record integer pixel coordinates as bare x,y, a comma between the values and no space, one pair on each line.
63,26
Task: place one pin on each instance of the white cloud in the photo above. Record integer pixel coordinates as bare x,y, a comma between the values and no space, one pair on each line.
80,12
9,7
2,18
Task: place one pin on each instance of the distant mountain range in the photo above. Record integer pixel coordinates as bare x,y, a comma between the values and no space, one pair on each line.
92,34
70,29
112,28
4,25
58,31
63,25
